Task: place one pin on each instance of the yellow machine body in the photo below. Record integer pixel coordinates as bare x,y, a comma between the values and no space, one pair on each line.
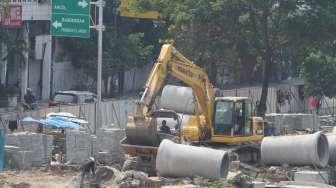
216,119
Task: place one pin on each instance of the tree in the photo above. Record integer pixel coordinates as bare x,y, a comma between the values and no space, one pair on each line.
258,37
240,34
313,36
319,74
125,46
14,44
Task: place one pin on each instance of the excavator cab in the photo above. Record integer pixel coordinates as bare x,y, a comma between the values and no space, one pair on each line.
231,116
232,121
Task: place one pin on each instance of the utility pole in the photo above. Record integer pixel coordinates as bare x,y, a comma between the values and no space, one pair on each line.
100,28
25,65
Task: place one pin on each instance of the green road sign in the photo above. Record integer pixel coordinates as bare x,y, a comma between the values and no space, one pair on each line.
70,18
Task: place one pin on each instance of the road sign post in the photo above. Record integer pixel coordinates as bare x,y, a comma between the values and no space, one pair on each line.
70,18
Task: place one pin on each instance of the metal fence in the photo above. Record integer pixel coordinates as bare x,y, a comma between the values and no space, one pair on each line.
111,113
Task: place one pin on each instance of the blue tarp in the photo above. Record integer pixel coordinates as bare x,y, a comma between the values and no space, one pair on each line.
54,122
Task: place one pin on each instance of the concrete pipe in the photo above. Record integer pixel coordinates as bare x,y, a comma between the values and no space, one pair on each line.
310,149
332,148
177,98
178,160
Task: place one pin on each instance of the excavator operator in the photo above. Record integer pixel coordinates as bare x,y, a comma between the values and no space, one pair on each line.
164,128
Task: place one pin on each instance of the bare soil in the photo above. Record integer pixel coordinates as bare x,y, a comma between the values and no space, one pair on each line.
36,179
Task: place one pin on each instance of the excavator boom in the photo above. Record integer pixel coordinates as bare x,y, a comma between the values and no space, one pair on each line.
141,128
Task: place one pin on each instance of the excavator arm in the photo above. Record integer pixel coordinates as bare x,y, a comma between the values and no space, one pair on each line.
141,127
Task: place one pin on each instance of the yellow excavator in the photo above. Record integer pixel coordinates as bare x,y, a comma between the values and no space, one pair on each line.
217,120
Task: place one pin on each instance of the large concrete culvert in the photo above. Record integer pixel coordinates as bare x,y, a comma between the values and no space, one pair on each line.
310,149
178,160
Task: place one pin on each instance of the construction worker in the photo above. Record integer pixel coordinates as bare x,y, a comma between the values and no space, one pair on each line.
29,99
88,169
164,128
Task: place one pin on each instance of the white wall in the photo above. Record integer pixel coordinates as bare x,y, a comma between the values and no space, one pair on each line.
135,79
64,76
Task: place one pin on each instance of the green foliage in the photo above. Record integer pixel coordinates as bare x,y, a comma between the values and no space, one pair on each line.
318,72
253,40
126,50
122,50
14,42
227,33
125,45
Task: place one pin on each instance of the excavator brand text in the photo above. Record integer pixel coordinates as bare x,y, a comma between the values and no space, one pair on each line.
185,71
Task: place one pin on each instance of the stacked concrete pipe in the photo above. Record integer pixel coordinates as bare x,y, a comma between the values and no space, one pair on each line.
178,160
310,149
178,98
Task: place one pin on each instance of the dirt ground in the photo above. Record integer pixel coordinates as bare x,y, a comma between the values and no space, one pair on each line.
35,179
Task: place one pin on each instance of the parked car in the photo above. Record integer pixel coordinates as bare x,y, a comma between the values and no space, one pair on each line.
72,98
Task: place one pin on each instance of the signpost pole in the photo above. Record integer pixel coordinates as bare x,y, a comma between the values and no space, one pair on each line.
100,28
24,74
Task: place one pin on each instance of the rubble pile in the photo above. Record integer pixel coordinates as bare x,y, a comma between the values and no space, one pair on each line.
131,179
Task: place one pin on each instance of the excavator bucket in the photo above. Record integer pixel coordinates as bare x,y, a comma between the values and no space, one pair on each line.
142,131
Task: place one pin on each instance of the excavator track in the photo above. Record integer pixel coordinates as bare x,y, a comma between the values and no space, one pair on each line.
246,152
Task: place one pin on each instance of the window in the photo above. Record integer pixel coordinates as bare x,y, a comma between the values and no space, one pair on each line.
223,120
224,113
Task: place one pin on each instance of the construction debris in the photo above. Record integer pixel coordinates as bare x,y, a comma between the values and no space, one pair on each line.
177,165
130,179
296,184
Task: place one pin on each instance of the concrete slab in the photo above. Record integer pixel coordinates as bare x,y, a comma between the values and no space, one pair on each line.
258,184
312,176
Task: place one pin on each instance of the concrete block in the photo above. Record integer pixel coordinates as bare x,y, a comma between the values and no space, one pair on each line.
312,176
17,159
258,184
108,142
40,145
78,146
105,145
282,122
